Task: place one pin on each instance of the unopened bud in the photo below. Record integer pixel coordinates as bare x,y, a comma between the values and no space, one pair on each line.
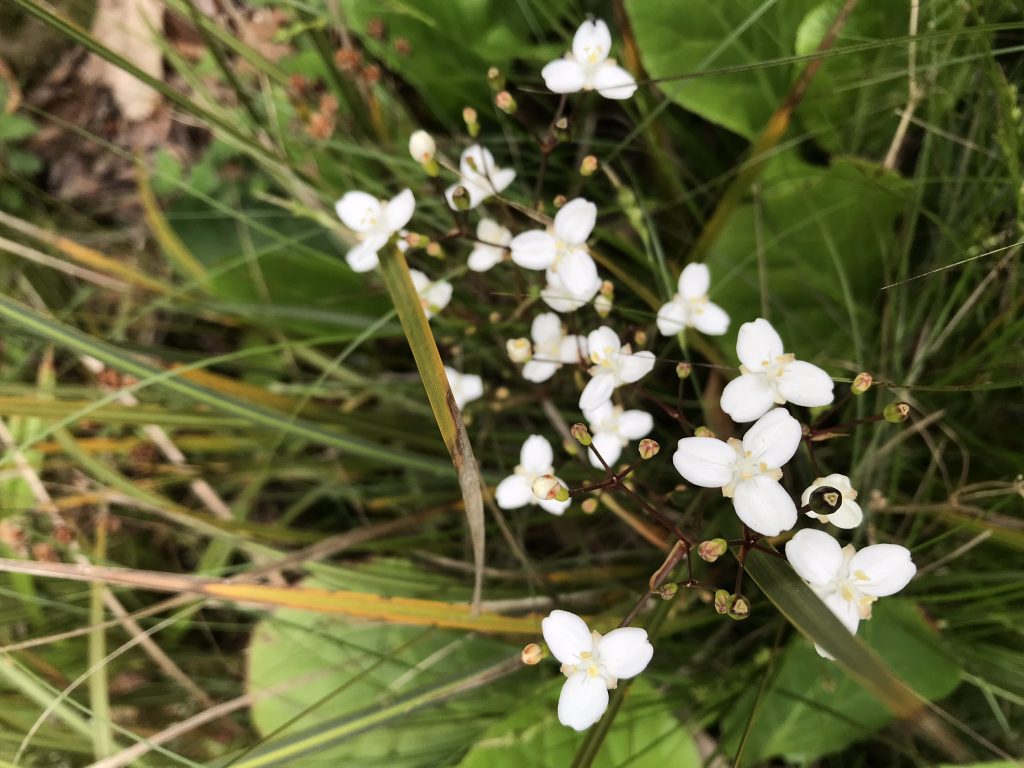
740,608
683,370
416,240
861,383
519,350
648,448
602,305
460,198
895,413
469,117
433,250
506,103
712,549
559,201
502,393
532,654
562,129
723,601
548,487
582,434
703,432
422,147
588,166
668,591
825,500
589,506
640,338
496,79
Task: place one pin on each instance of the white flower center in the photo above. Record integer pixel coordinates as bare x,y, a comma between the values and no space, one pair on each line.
590,662
747,466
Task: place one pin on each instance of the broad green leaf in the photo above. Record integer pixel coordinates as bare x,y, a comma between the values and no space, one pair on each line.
15,128
645,735
811,708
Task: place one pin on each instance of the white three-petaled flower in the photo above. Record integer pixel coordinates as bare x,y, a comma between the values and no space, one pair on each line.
516,490
466,387
612,428
434,294
552,348
491,246
592,663
480,176
747,471
374,222
614,365
849,513
562,251
771,376
690,307
588,67
846,580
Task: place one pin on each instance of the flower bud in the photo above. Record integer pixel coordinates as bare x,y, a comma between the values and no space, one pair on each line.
434,250
861,383
506,103
562,129
895,413
825,500
723,601
740,608
640,337
589,506
519,350
559,201
469,117
582,434
547,487
532,654
648,448
712,549
502,393
683,370
588,166
668,591
422,147
602,305
703,432
460,198
496,78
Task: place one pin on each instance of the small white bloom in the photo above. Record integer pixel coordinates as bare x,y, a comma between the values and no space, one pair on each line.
422,147
466,387
374,222
592,663
434,295
690,307
846,580
612,428
519,350
552,348
516,490
747,471
603,305
491,247
614,365
588,68
849,514
771,376
480,176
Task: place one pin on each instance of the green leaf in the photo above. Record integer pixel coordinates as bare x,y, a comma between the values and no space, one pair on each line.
811,708
645,735
15,127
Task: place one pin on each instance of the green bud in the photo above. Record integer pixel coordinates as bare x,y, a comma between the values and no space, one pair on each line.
506,103
712,549
588,166
668,591
723,601
496,79
861,383
582,434
648,448
896,413
683,370
740,608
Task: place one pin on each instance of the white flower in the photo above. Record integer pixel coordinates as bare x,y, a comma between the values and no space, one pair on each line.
374,222
519,350
614,365
846,580
612,428
480,176
434,295
747,471
588,67
849,513
516,490
422,147
770,376
690,307
466,387
552,348
491,247
592,664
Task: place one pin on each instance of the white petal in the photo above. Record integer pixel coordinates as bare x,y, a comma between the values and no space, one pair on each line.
845,610
805,384
625,652
603,344
764,505
747,397
758,343
774,437
572,348
567,636
710,319
610,448
536,455
598,417
449,194
513,492
633,367
582,702
598,390
592,42
500,178
472,388
575,221
419,281
399,210
849,515
705,461
476,160
578,273
635,424
363,257
546,328
613,82
554,506
535,249
673,318
694,281
539,371
560,300
815,556
887,566
483,257
563,76
492,233
358,211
